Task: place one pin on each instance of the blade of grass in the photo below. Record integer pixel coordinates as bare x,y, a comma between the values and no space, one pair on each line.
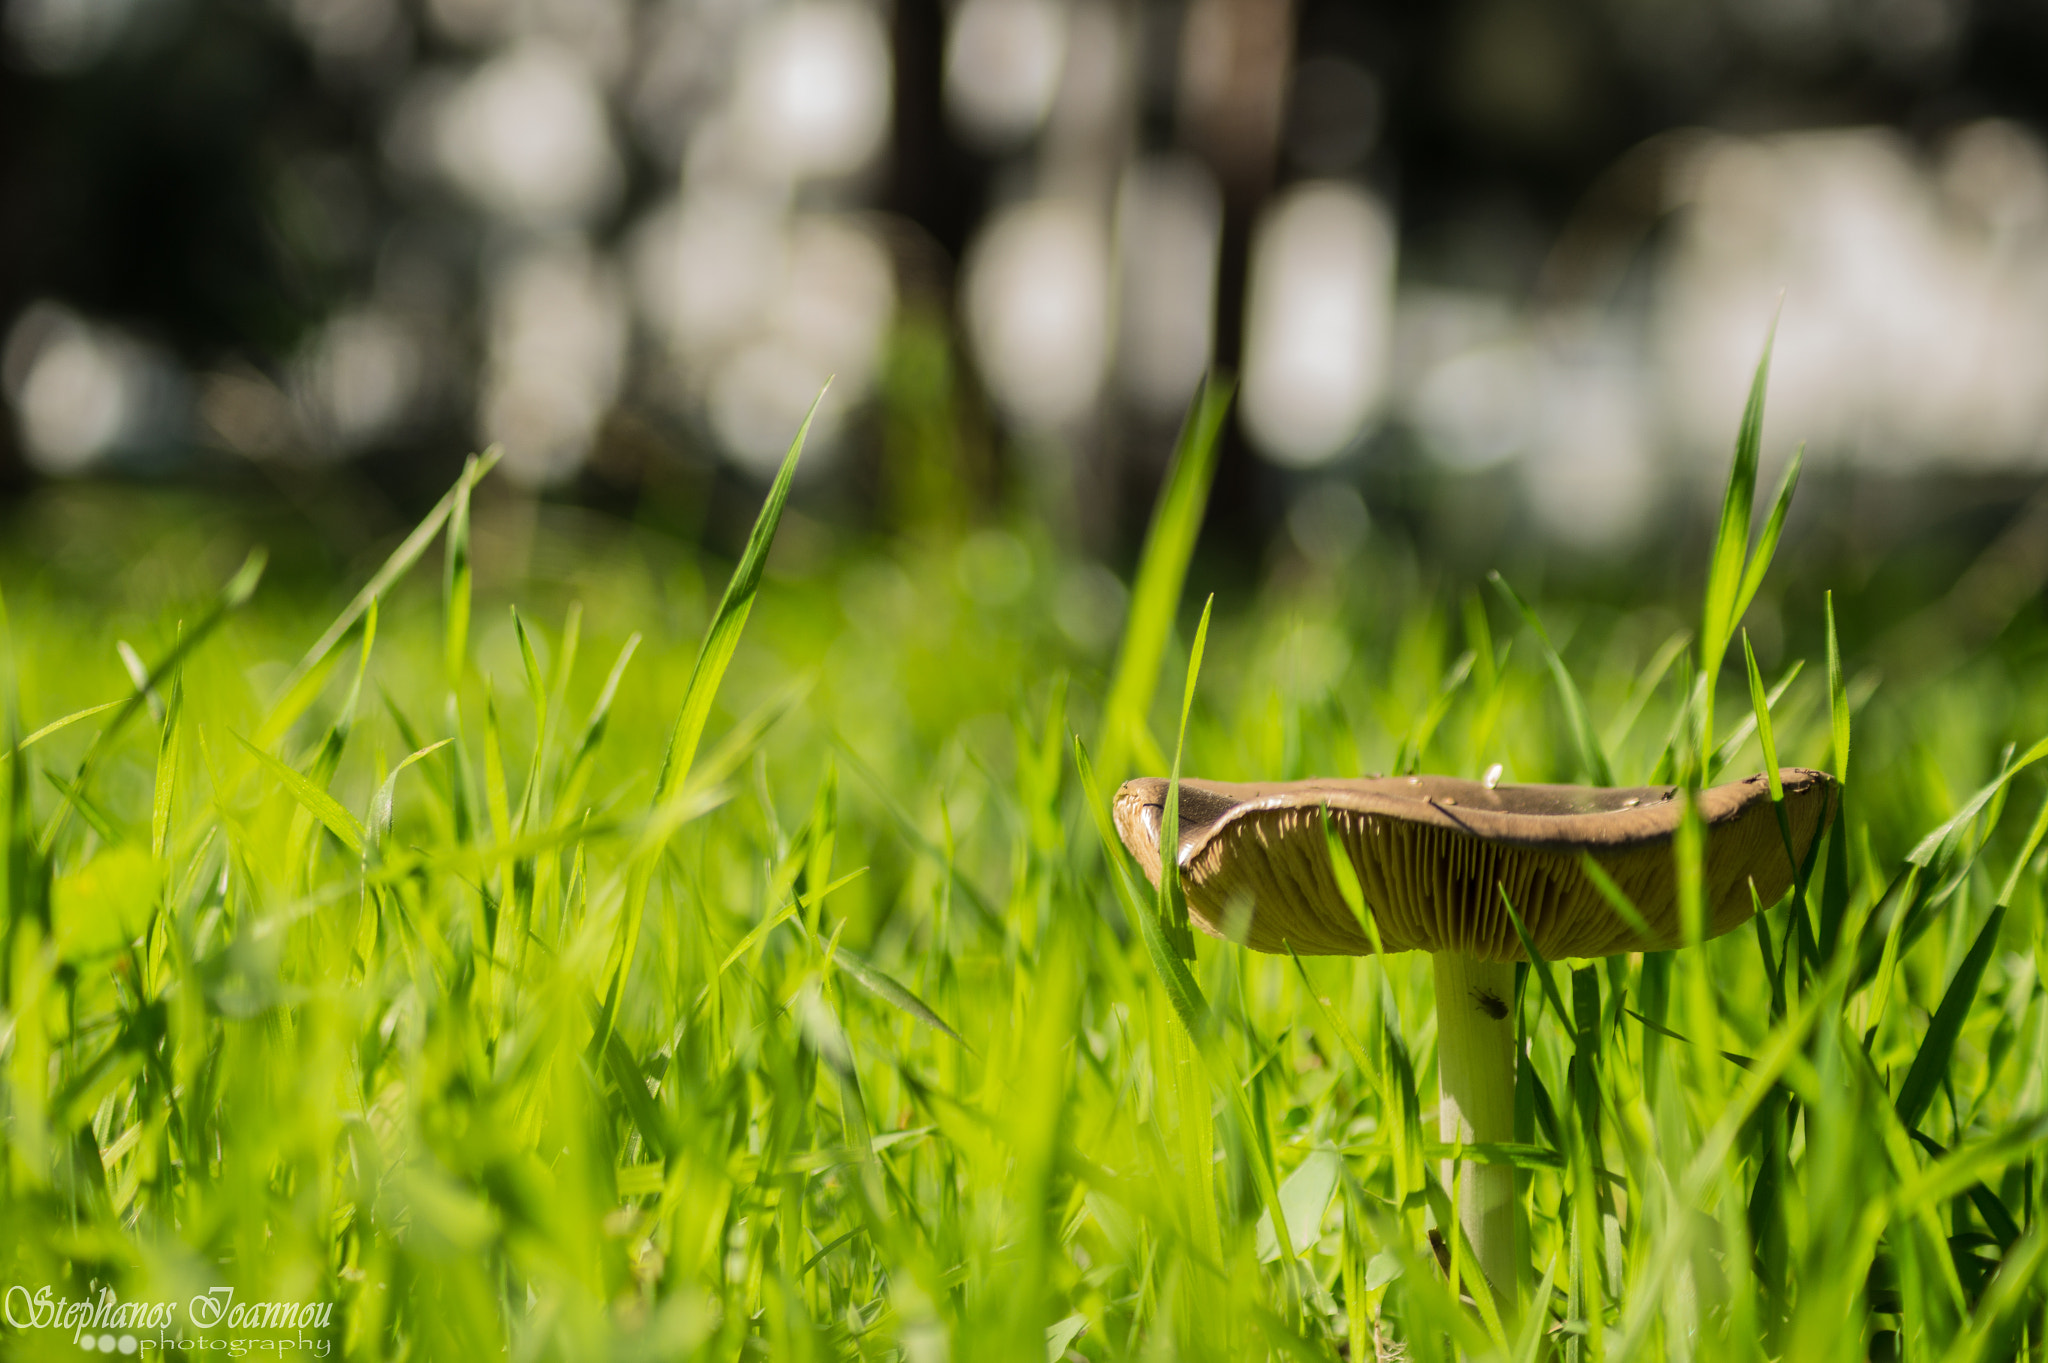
1348,887
1592,757
1162,572
1746,726
1931,1062
671,798
1767,541
395,567
1188,1001
886,988
1537,965
456,572
1937,846
233,595
1617,898
1726,566
316,801
1173,908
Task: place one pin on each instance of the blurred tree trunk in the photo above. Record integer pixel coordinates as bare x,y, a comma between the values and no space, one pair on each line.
1234,60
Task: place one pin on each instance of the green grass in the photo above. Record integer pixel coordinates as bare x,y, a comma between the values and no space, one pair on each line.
568,975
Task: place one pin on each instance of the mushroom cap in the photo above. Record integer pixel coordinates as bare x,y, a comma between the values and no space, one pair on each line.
1433,854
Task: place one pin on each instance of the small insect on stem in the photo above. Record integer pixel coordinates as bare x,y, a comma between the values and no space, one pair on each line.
1490,1004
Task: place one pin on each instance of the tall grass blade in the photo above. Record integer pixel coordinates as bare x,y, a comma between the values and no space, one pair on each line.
1162,571
722,637
1767,540
1726,566
395,567
456,573
1938,846
674,803
886,988
1173,908
1592,756
1931,1062
316,801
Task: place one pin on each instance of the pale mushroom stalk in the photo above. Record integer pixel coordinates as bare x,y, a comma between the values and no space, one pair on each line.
1475,1075
1434,858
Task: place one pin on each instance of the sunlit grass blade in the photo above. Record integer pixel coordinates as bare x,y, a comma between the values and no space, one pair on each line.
1838,695
382,805
886,988
1173,909
1353,894
2015,1288
1643,687
722,636
57,726
1592,756
233,595
1761,712
1162,571
675,802
457,572
316,801
1617,898
1745,728
1189,1003
1538,967
1931,1062
2026,855
1937,846
915,836
1726,566
395,567
167,755
1767,540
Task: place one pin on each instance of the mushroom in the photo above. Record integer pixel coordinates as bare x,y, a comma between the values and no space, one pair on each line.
1434,855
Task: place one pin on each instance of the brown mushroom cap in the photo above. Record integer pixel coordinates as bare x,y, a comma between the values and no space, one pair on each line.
1433,853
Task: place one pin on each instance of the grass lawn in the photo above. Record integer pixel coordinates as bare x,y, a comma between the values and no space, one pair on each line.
629,965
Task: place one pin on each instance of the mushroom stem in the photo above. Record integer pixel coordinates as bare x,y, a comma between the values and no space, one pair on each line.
1475,1048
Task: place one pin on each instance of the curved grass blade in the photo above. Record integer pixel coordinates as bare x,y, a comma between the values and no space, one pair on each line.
1592,756
1348,887
673,802
59,725
1936,1048
1838,695
379,827
401,560
722,637
1537,965
1767,540
886,988
1173,906
1938,845
1162,571
1726,568
1186,996
234,594
316,801
1616,897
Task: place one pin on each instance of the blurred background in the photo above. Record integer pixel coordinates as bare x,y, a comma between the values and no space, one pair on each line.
1492,274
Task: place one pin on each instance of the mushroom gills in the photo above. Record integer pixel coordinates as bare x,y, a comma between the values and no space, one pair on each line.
1435,855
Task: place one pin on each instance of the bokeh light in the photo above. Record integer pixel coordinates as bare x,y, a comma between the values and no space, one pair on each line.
1169,222
557,351
1003,65
527,135
812,93
1037,303
86,392
1319,316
